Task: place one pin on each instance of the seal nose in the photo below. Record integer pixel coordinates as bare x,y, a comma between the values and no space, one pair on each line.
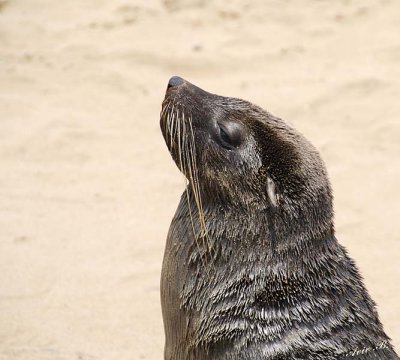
175,81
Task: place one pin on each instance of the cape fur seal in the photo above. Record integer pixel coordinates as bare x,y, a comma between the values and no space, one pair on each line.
252,268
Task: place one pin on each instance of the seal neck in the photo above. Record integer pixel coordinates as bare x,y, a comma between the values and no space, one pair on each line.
266,231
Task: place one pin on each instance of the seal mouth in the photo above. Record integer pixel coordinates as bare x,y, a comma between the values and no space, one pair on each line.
182,112
176,124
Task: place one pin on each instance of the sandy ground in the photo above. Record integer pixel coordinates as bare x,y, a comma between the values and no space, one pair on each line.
88,189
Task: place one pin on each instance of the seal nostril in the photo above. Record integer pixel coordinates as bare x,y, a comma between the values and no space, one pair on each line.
175,81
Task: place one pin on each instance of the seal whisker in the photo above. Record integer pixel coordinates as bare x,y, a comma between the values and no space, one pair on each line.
172,126
168,128
190,157
196,190
179,138
187,154
165,118
165,108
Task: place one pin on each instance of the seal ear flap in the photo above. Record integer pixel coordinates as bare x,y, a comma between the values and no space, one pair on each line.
271,191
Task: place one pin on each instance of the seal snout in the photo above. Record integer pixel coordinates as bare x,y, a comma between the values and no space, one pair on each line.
175,81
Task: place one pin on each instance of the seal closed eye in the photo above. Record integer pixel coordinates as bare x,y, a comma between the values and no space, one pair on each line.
252,268
230,134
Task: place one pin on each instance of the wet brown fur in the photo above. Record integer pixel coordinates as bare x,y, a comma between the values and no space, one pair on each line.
252,268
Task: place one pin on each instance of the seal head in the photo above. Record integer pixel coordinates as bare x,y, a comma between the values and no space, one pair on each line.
242,155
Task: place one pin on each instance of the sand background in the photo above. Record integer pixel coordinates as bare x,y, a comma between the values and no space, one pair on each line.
88,189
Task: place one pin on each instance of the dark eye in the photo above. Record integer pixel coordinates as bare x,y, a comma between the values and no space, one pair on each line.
230,134
224,136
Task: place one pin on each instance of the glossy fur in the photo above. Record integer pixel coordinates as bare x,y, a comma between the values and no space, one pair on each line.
252,268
